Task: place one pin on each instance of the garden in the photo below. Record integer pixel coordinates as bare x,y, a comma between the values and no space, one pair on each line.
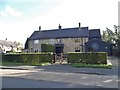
75,59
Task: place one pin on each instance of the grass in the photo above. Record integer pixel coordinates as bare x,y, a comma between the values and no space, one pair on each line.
11,64
19,64
78,65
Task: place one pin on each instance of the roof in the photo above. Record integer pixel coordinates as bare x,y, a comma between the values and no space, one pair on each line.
7,43
94,33
26,44
60,33
98,40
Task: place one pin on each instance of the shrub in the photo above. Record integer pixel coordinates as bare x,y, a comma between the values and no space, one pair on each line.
30,58
87,58
47,48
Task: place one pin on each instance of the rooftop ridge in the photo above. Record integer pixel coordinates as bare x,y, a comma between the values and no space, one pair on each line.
62,29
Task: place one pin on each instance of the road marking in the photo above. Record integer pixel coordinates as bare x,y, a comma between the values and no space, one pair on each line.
84,77
108,81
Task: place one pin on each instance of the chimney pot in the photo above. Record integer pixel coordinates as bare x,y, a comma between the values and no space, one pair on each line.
59,26
79,25
39,28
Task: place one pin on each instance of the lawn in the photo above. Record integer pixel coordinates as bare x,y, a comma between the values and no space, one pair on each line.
11,64
78,65
19,64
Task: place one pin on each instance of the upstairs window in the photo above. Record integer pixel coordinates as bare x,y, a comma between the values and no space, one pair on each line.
59,40
51,41
77,39
36,41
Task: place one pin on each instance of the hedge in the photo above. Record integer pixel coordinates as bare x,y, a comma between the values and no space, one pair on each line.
28,58
47,48
87,58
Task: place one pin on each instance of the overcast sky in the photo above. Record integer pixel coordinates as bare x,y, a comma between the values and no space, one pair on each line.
20,18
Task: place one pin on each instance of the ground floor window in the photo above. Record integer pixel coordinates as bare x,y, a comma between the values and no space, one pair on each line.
77,49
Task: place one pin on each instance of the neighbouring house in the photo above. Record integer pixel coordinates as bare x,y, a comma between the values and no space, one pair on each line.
7,46
65,39
98,45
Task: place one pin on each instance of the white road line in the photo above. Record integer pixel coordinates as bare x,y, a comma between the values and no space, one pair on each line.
108,81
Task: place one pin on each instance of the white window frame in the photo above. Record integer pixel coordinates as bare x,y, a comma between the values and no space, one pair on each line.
59,40
51,41
36,41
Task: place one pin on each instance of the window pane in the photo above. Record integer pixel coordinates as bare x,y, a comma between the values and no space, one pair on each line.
36,41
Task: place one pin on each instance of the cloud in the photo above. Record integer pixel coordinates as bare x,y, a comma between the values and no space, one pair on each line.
9,11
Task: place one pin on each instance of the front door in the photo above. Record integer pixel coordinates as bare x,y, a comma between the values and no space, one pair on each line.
59,48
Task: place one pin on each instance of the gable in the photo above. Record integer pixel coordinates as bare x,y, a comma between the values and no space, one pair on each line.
94,33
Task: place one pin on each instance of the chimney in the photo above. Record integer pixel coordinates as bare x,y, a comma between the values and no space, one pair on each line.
39,28
79,25
59,27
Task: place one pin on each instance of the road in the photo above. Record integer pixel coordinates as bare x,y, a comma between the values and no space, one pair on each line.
9,82
61,76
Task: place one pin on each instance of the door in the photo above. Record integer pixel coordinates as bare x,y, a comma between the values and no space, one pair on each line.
59,48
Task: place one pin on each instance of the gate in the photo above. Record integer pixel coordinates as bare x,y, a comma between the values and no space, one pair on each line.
60,58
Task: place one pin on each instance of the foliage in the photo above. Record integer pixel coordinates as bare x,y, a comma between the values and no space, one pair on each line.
87,58
29,58
113,37
108,36
47,48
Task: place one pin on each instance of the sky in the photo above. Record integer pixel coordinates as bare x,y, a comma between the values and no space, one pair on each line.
20,18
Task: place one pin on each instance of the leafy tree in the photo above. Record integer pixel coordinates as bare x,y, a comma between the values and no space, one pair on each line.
113,37
108,35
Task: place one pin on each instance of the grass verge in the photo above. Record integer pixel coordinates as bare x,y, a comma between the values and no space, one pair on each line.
19,64
78,65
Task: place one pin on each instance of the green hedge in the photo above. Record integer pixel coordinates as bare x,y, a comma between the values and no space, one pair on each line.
28,58
87,58
47,48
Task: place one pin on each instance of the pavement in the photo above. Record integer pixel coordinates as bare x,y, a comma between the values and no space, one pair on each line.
63,73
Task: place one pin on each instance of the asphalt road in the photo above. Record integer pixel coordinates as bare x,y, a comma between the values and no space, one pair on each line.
9,82
62,76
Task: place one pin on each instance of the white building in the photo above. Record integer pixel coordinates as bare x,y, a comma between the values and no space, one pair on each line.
6,46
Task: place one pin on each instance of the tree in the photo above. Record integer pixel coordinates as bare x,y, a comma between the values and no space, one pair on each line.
108,36
113,37
18,45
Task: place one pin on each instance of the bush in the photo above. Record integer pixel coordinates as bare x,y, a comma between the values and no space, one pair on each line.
87,58
28,58
47,48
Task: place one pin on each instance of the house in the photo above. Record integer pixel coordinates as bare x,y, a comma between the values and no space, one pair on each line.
64,39
98,45
7,46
